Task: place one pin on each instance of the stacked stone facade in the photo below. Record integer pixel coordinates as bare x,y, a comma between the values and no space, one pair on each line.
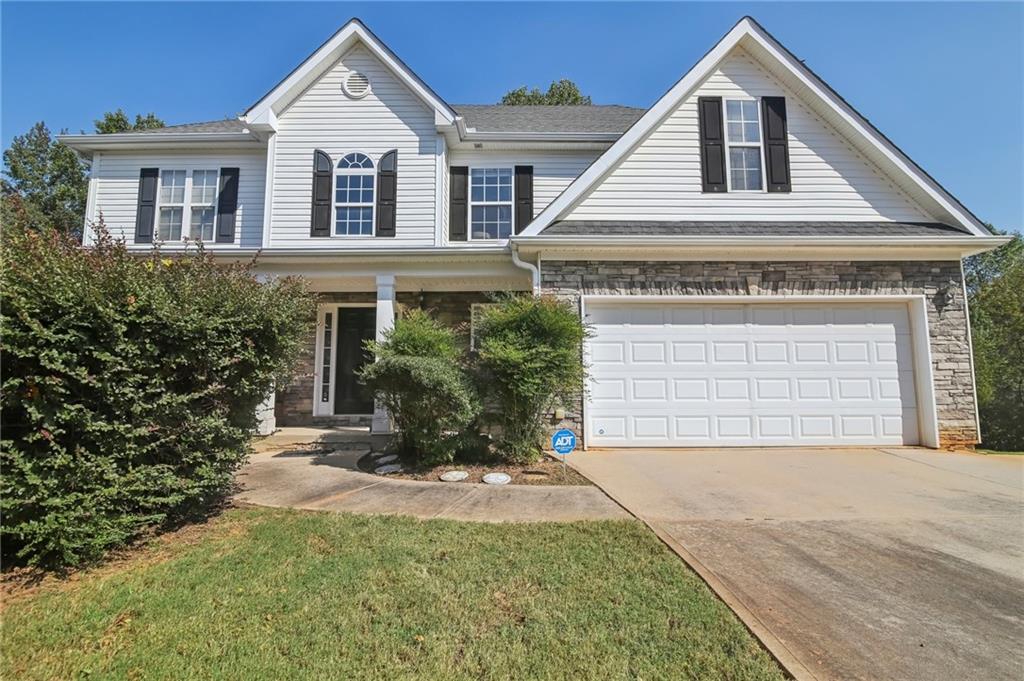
940,282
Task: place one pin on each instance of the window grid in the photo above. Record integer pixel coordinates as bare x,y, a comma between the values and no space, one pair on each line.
490,203
187,192
354,186
743,137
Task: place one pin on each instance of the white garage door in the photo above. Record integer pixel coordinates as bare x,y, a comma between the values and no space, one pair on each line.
760,374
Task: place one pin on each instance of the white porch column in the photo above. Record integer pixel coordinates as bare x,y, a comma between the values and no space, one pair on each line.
265,414
385,322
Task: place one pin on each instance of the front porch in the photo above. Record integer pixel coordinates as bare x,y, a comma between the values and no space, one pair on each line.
358,306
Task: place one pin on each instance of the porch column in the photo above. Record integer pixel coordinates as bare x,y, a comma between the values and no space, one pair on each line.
385,322
265,414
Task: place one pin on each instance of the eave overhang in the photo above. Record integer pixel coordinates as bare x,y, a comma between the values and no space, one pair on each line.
87,145
778,248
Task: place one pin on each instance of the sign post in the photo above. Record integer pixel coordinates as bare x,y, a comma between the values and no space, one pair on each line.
563,442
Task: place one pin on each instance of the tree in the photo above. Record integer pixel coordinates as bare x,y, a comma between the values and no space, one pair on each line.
563,92
44,183
995,288
117,121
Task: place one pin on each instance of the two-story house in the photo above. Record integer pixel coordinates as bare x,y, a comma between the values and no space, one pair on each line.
759,264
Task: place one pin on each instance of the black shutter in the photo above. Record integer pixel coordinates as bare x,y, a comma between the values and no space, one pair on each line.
776,144
458,195
227,204
145,208
712,144
387,192
320,215
524,197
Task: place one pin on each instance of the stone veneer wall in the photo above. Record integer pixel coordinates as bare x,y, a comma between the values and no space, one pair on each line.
294,402
948,330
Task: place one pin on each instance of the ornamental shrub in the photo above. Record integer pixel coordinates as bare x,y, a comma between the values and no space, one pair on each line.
130,386
420,378
529,360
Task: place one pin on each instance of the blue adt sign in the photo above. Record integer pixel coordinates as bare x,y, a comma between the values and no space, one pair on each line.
564,441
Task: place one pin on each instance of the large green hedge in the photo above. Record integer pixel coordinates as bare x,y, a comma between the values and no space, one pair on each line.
130,384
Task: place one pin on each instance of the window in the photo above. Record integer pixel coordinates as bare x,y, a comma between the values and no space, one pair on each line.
353,196
743,136
204,206
192,193
172,204
490,203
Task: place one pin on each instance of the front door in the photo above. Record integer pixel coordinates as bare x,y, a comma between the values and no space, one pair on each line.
356,325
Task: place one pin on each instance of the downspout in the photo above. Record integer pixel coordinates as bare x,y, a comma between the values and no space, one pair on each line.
530,267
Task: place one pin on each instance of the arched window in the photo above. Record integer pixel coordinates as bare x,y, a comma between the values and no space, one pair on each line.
354,196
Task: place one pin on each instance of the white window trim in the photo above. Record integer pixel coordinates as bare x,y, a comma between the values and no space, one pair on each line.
186,205
334,196
729,144
470,202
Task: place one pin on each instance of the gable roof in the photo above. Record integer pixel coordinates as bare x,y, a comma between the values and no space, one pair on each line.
839,114
316,64
226,125
600,118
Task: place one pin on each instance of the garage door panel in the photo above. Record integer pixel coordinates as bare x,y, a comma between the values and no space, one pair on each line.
751,374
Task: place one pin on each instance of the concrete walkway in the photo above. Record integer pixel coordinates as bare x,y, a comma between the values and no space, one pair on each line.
285,472
864,563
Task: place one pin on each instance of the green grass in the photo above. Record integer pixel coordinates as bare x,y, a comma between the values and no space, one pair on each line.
997,452
275,594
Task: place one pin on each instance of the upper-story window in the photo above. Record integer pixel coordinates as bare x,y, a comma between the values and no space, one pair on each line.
191,193
490,203
354,196
743,137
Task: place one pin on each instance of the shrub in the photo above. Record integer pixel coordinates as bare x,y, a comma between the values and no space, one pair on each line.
130,385
995,284
420,380
529,356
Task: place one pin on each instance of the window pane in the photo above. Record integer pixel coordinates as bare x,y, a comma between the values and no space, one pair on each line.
204,187
735,132
751,133
732,109
749,110
172,186
745,165
201,226
491,222
169,228
353,221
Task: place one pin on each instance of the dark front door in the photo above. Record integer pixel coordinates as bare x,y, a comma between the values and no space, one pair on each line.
355,326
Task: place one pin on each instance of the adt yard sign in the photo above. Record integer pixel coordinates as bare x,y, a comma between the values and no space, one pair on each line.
564,441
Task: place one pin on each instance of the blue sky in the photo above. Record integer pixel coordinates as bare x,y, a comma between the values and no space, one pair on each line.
945,81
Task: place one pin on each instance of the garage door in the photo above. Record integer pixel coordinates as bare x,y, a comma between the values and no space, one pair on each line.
760,374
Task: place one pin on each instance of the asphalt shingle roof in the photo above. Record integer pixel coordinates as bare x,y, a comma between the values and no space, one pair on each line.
609,118
690,228
226,125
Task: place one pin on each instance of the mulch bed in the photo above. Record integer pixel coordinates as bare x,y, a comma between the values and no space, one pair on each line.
547,471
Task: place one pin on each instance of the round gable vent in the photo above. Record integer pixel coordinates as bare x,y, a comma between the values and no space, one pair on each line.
356,85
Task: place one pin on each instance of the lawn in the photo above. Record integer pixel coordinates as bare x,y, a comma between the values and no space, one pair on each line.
278,594
998,453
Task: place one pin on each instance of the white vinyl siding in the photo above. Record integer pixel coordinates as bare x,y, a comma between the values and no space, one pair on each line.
115,176
660,179
324,117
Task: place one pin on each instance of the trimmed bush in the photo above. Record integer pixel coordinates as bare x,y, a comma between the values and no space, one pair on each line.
420,379
529,357
130,385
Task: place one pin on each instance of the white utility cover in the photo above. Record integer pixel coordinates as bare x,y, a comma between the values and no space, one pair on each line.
765,374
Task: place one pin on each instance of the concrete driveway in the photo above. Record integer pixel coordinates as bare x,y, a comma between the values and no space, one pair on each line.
848,563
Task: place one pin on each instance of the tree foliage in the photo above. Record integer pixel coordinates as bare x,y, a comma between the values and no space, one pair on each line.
529,361
44,184
563,92
117,121
419,377
995,286
130,387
